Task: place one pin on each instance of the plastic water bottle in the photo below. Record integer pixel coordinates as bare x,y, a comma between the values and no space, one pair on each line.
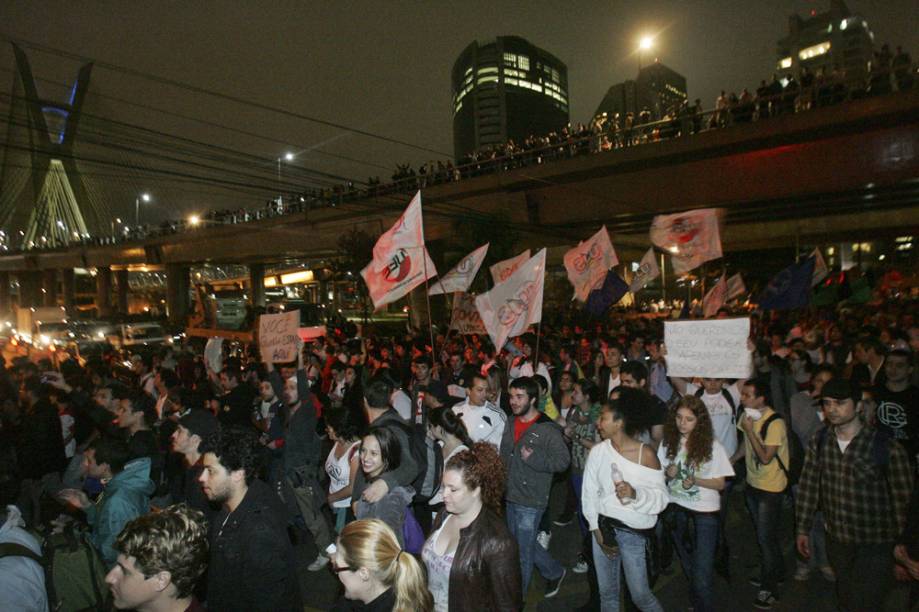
617,478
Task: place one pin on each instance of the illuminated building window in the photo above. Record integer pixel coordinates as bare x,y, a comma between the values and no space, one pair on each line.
784,63
487,79
488,70
814,51
843,24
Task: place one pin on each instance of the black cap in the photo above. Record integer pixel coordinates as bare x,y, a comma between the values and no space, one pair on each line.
199,422
438,391
841,389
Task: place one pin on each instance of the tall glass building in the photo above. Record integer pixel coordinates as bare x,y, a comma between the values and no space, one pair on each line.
506,89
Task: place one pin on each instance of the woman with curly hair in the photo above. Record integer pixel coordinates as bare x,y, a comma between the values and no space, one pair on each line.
472,559
696,465
376,573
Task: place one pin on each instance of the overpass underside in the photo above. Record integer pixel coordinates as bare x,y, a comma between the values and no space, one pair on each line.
822,176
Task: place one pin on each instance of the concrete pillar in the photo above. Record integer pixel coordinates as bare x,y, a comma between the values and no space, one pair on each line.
177,286
29,289
49,284
68,288
257,285
104,291
6,305
121,277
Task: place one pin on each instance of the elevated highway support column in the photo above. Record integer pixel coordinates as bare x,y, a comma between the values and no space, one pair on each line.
177,286
6,306
104,291
68,288
49,284
121,276
29,289
257,285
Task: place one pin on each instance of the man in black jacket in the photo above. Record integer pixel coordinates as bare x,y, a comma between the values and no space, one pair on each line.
252,564
40,448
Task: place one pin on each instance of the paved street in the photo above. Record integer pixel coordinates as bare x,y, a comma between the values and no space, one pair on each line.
321,589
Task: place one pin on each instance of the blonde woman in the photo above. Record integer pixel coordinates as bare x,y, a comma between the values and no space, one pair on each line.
377,574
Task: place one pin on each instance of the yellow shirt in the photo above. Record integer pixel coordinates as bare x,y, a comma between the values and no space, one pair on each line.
550,409
769,476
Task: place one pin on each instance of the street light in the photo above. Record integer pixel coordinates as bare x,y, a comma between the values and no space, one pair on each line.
146,198
194,220
117,221
288,157
644,44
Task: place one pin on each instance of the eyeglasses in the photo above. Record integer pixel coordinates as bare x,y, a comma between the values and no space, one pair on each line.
339,570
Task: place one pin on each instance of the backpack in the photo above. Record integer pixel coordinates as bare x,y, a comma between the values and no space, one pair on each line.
727,397
427,456
795,451
74,572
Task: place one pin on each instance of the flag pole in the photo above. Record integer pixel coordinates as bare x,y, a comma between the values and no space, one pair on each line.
427,299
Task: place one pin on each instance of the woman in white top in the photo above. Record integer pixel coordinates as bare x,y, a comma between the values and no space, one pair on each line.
622,494
343,461
448,429
696,466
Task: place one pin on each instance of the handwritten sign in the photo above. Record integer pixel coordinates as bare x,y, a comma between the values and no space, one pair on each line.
712,349
466,319
278,339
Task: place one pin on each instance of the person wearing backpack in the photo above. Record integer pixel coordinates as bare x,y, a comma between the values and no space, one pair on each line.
22,578
765,450
861,480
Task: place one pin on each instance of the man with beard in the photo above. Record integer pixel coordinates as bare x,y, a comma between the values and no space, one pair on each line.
251,560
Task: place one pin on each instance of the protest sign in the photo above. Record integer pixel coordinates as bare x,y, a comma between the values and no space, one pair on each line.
466,318
715,348
278,339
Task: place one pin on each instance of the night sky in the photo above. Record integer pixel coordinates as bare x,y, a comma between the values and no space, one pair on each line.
381,67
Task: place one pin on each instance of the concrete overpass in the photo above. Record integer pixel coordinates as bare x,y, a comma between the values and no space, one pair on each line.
829,174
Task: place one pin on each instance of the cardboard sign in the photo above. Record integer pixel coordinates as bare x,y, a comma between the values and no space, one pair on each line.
466,319
213,354
278,340
713,349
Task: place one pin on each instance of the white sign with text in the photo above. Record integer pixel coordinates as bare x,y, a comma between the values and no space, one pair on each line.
715,348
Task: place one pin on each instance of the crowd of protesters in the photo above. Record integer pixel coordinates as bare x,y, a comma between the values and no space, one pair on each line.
891,72
423,475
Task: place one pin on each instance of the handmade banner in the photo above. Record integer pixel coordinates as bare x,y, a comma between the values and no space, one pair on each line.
213,354
716,348
691,237
647,271
466,318
512,306
502,270
278,340
400,259
588,263
462,274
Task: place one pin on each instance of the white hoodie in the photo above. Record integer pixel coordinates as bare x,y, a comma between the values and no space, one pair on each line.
598,494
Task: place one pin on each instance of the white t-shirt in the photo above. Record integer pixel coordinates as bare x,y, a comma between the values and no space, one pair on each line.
67,424
722,415
339,471
699,499
402,403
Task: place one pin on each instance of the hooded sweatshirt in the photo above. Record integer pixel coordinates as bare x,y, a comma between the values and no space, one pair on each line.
125,497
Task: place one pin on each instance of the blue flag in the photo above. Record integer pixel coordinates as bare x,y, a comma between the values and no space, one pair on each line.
609,294
790,288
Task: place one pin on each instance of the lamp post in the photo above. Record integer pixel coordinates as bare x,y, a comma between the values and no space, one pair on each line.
644,44
289,157
116,221
146,198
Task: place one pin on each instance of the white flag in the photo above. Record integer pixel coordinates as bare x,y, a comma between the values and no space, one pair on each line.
406,233
588,263
512,306
691,237
502,270
736,287
820,269
462,274
715,298
400,259
647,271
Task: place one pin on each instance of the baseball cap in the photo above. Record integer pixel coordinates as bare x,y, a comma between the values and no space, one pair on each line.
841,389
199,422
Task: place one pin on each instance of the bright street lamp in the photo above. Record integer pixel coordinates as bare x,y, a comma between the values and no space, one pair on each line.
194,220
288,157
146,198
644,44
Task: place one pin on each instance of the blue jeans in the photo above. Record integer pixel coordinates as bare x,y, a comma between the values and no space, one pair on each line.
577,481
631,558
698,558
523,523
766,511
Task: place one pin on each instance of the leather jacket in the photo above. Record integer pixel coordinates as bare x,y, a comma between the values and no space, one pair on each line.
486,566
